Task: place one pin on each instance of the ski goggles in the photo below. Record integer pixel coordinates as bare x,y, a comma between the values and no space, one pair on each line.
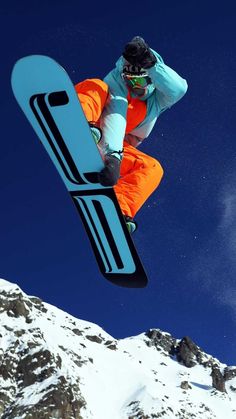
136,81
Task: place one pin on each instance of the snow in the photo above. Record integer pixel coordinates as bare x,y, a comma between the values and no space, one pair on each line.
7,285
115,383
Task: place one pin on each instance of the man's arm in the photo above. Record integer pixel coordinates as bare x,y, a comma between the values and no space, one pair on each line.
170,86
113,124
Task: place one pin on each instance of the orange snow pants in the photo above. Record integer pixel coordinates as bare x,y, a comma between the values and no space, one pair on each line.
140,174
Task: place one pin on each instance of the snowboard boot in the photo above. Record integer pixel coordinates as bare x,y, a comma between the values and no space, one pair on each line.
131,224
96,132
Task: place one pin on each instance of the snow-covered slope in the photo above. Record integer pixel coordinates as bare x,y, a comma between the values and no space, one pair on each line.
53,365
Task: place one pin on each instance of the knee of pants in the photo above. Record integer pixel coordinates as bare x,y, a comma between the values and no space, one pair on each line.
91,86
154,165
155,170
93,94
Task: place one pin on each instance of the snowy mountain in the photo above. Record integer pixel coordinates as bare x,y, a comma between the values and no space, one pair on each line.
54,366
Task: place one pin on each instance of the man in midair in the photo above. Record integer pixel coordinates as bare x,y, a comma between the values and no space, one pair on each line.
122,110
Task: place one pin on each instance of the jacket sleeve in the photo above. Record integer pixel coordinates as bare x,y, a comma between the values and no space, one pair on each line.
170,86
113,119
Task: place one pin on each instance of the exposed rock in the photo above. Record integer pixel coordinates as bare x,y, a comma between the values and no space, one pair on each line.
42,360
15,307
77,332
18,305
187,352
111,344
161,340
27,364
229,373
50,370
218,381
94,338
58,403
113,347
185,385
38,304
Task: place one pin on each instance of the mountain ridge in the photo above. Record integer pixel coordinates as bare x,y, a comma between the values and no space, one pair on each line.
53,365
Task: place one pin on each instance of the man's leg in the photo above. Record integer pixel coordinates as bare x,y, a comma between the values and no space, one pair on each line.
140,176
92,94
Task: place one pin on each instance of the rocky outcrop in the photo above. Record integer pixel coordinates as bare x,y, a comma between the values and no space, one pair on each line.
229,373
163,342
185,350
53,366
59,401
218,380
185,385
188,353
29,368
19,306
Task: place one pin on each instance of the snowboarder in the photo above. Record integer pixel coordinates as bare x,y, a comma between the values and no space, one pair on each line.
122,110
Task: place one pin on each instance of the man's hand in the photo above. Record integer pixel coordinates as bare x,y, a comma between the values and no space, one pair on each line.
137,52
110,174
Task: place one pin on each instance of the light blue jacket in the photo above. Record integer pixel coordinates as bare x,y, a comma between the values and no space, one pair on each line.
166,89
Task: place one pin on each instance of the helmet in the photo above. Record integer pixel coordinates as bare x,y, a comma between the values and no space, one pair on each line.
134,69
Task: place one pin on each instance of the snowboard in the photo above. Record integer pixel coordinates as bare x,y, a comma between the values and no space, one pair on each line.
49,101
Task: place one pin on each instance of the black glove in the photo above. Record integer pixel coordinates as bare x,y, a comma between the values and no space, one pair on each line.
110,174
137,52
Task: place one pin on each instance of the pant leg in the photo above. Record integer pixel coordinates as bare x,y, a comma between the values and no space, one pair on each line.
140,173
92,94
140,176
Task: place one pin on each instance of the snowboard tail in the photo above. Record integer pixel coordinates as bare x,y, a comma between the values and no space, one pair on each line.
47,96
108,234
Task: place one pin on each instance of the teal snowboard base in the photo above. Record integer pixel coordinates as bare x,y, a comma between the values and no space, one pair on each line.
48,99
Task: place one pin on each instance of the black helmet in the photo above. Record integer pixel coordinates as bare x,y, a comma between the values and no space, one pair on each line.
134,70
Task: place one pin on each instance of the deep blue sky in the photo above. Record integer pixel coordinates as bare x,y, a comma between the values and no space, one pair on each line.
187,229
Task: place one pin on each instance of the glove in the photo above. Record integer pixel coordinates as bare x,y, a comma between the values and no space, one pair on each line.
110,174
137,52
